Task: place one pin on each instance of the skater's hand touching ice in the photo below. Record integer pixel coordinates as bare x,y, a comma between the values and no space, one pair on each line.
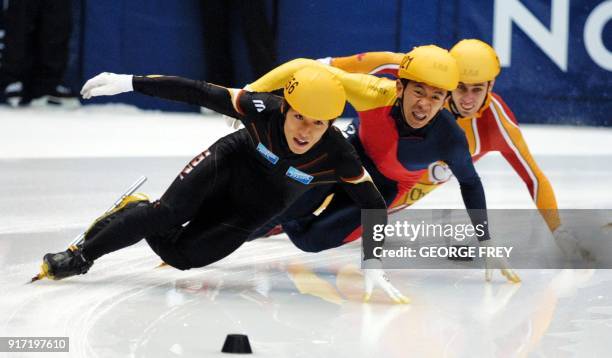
374,275
493,263
107,84
571,247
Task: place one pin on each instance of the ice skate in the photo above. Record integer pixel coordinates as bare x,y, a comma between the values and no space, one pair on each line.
55,266
127,203
65,264
71,262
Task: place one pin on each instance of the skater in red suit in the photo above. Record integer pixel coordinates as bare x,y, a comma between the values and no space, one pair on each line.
489,126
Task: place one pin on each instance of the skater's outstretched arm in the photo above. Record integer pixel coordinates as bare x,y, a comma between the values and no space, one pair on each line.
363,92
219,99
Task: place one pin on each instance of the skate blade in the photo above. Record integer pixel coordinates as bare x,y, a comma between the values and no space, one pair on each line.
39,276
44,272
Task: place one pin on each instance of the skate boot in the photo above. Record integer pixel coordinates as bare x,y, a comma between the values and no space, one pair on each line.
125,204
72,262
65,264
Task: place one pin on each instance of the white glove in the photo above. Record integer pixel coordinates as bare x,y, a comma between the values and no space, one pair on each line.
570,245
492,263
107,84
374,275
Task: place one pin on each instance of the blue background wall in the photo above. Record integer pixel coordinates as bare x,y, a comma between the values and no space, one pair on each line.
165,37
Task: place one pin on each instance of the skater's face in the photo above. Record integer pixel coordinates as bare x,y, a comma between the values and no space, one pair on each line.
468,98
303,132
420,102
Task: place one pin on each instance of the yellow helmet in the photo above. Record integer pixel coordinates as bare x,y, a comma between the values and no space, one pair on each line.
316,93
477,61
431,65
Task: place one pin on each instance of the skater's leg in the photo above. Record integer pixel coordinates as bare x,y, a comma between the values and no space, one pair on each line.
198,244
337,225
127,203
206,178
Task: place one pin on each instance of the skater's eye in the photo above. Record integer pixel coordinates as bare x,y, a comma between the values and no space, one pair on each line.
418,91
438,96
461,88
319,123
298,116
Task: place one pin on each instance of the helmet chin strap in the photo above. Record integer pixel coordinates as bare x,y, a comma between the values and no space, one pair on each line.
401,102
484,100
453,107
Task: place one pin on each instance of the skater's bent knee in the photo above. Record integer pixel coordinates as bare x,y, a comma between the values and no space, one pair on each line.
165,216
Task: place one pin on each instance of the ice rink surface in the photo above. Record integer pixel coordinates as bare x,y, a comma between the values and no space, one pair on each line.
61,169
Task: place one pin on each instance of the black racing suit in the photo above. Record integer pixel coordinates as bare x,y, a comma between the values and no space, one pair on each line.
236,185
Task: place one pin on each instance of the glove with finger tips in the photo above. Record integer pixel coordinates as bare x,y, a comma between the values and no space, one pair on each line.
107,84
493,263
571,246
374,275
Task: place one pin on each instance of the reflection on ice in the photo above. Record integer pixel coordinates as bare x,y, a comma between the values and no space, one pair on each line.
297,304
